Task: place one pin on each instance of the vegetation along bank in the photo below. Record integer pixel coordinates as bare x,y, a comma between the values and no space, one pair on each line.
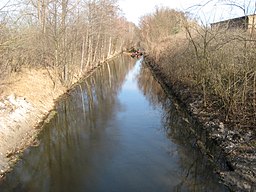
47,46
212,72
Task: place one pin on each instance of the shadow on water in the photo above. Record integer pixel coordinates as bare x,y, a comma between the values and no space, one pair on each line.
117,131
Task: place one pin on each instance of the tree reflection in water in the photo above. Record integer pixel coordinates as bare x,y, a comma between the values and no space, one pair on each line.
198,171
85,130
71,132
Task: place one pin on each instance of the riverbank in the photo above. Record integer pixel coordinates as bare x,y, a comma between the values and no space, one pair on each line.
235,157
27,100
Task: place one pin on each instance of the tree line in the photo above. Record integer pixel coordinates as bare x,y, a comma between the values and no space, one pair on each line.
66,37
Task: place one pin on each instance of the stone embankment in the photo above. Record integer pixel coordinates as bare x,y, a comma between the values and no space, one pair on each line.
233,151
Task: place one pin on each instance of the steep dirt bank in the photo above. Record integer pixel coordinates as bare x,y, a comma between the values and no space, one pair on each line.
233,151
26,99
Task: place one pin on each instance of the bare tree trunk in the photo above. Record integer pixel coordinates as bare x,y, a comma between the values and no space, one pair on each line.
39,5
82,56
41,14
64,4
89,52
110,46
96,48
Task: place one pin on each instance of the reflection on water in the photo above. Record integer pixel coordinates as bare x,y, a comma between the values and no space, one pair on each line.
197,172
117,131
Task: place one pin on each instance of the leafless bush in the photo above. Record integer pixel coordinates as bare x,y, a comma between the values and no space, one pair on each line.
68,37
224,66
219,64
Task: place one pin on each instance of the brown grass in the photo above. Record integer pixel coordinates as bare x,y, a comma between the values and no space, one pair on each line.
35,85
219,65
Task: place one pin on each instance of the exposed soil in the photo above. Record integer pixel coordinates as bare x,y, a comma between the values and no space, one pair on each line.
232,150
26,99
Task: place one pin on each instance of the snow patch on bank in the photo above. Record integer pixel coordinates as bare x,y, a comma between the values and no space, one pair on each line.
13,110
14,115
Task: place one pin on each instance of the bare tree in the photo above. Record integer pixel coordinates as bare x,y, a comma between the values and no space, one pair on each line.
219,65
67,37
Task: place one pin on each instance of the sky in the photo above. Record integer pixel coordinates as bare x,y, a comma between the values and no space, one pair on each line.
211,12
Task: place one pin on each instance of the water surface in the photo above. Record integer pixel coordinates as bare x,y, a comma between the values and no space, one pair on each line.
116,131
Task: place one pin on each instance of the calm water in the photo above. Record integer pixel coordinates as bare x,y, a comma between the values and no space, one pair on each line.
117,131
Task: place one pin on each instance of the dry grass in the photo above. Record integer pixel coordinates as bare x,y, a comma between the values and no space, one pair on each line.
220,65
35,85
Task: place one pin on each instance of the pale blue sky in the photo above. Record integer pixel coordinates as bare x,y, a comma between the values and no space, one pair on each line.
213,11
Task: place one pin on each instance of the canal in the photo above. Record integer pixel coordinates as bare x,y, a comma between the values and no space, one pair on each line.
117,131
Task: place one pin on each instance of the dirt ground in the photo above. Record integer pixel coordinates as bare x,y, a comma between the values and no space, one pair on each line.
26,99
